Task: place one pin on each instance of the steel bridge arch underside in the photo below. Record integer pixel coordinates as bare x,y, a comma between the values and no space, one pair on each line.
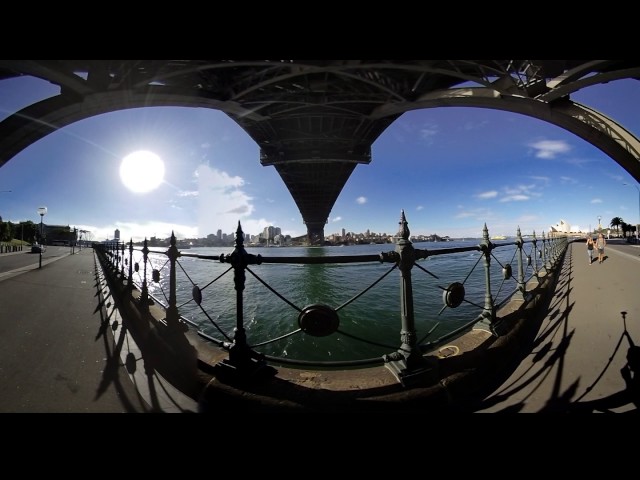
318,167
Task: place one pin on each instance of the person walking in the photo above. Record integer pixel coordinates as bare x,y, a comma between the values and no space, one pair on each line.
590,244
600,244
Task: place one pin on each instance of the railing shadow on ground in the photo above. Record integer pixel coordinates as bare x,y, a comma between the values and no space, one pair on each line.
273,393
539,336
532,335
110,374
545,358
145,349
565,402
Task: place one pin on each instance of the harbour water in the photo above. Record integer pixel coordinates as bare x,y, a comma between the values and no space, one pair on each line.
369,325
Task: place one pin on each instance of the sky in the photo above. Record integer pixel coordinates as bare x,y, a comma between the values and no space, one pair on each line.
451,170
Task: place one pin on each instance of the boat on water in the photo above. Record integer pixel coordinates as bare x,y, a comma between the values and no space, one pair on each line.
499,237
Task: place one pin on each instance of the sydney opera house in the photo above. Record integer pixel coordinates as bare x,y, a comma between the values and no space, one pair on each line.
563,227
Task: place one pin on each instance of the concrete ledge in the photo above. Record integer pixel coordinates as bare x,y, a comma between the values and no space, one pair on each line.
468,368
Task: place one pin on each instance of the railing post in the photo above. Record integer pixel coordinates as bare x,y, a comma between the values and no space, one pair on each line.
535,256
122,261
544,253
486,246
408,364
172,315
144,294
116,252
521,286
243,362
130,278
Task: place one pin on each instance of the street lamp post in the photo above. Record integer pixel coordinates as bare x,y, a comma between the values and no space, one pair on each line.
638,224
41,211
599,226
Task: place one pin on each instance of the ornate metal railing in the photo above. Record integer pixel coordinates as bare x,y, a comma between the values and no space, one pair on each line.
533,258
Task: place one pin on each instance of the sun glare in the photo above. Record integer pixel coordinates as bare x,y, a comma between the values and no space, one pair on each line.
142,171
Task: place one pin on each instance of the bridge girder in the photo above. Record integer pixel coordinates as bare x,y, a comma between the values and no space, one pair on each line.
315,121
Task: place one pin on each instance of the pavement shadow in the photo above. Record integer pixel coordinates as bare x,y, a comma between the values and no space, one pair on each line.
168,358
551,330
112,375
630,372
545,356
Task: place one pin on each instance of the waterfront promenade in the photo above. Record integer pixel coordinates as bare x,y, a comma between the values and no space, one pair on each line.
577,356
63,347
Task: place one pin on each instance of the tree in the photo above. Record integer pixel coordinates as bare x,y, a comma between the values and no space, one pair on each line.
27,231
615,223
625,228
6,231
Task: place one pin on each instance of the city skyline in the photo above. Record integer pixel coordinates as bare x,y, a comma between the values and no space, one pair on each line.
451,170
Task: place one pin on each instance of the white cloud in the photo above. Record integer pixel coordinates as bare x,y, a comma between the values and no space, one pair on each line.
428,131
550,148
545,180
464,215
419,207
403,127
474,125
337,219
596,200
139,231
222,203
488,194
361,200
579,162
514,198
519,193
205,145
570,180
480,214
526,189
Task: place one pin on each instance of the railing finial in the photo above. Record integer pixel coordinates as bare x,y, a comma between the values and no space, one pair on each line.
403,231
239,241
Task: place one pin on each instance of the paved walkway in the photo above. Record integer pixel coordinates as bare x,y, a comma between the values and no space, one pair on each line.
576,361
63,347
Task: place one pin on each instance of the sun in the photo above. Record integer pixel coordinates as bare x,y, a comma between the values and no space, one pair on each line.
142,171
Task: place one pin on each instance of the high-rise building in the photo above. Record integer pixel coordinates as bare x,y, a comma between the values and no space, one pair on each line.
268,232
116,234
